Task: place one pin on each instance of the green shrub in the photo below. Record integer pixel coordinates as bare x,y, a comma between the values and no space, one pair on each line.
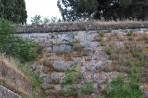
121,89
68,78
6,28
36,20
108,51
15,46
18,48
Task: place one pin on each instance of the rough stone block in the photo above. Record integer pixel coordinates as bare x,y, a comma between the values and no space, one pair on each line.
6,93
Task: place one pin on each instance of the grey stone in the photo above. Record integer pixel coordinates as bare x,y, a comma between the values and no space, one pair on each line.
46,81
56,76
53,78
59,65
48,49
99,64
62,48
42,75
65,37
145,93
6,93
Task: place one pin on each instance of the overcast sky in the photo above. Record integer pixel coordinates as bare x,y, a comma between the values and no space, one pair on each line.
45,8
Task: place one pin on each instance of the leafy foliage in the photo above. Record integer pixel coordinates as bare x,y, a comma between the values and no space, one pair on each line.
76,9
13,10
124,3
121,89
36,20
13,45
73,10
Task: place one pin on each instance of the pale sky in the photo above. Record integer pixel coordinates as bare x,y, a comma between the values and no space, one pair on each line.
45,8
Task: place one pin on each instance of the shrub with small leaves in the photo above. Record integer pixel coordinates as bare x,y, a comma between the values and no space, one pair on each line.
15,46
118,88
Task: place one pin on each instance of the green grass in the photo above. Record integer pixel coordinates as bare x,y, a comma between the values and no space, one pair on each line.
108,51
72,78
87,88
119,88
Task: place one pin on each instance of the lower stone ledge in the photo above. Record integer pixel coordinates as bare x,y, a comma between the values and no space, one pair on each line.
6,93
7,84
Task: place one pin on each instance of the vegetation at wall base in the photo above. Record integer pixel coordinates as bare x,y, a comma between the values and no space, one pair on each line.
119,88
125,87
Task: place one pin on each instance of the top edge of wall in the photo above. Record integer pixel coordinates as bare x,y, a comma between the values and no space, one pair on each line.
81,26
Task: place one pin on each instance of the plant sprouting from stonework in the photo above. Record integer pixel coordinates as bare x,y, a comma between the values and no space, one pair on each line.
72,78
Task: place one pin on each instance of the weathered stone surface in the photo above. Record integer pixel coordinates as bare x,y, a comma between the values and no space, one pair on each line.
62,48
60,65
53,78
12,75
62,27
6,93
91,62
56,76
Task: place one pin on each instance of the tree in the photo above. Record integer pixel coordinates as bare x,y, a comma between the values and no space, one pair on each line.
36,20
77,9
13,10
109,9
143,6
123,9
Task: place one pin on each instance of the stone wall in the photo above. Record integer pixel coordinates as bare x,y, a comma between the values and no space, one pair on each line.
80,52
80,26
6,93
72,62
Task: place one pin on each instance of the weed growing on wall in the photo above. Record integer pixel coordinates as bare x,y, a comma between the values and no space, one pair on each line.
71,81
87,88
